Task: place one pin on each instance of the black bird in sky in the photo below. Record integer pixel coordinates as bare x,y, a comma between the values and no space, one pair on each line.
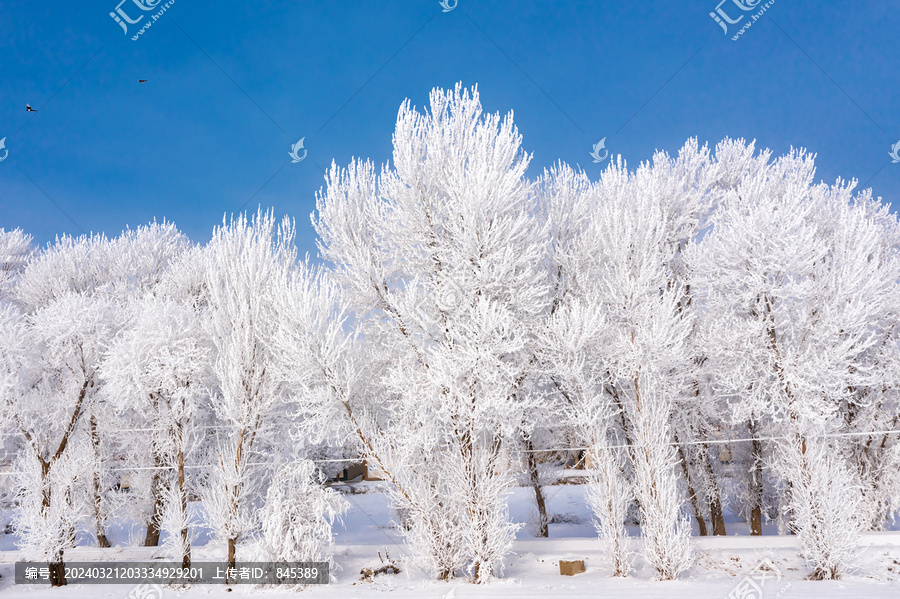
28,108
142,81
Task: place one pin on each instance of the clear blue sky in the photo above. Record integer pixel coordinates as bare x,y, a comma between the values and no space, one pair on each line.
231,85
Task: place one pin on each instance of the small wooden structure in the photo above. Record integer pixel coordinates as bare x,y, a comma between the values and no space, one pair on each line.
571,567
359,470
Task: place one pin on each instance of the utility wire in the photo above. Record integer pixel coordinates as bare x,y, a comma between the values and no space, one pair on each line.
552,450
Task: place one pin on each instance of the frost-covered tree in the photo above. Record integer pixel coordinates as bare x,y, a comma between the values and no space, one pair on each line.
572,346
51,357
157,372
72,274
68,265
801,291
467,317
134,264
336,398
15,250
440,255
115,271
297,515
248,262
616,271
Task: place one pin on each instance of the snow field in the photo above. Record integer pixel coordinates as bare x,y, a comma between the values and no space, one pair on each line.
531,570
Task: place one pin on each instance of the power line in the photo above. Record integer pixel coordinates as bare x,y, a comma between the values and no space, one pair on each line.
552,450
718,441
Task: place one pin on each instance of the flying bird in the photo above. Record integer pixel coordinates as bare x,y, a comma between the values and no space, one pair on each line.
142,81
28,108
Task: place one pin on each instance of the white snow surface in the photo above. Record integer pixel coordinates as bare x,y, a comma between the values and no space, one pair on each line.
531,571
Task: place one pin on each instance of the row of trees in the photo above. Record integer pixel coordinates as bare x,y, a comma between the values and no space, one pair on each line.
466,320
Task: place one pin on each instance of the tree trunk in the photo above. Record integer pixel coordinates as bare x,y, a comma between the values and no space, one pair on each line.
186,558
482,569
102,541
57,568
718,519
756,485
152,537
57,571
232,543
543,528
182,492
235,494
716,515
792,523
695,503
714,499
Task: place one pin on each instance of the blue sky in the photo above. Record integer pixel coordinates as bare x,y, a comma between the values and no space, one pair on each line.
232,85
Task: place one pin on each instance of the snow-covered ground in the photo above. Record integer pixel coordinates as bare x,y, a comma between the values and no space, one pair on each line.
532,571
